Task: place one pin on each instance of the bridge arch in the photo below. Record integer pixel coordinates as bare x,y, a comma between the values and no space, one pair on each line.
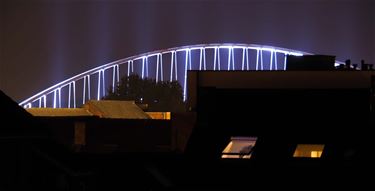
167,64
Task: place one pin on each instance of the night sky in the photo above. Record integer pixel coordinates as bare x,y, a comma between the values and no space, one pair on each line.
47,41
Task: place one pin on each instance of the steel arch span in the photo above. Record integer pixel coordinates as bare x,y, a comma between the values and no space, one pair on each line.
168,64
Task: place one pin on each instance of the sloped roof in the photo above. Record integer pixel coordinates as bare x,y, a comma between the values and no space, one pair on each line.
116,109
59,112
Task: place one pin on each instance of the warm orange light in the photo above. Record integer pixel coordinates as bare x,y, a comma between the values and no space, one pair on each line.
309,150
160,115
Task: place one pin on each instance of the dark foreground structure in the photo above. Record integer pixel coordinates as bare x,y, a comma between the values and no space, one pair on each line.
285,113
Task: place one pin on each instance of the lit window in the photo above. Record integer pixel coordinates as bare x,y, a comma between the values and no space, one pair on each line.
239,147
309,150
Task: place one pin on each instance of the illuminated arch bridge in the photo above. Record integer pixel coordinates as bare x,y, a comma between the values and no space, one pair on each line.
169,64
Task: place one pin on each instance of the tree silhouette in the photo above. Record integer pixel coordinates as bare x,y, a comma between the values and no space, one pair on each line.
160,96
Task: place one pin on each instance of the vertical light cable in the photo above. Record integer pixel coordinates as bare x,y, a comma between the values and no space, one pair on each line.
69,96
285,55
200,59
132,65
84,90
40,102
113,78
146,66
243,59
189,59
257,62
103,80
218,58
74,94
247,59
128,68
88,87
45,101
233,59
54,99
59,94
118,73
172,54
161,67
271,60
275,57
157,67
261,59
204,59
100,75
215,58
229,54
175,64
143,67
185,73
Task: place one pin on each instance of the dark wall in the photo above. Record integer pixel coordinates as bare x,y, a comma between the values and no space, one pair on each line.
283,118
